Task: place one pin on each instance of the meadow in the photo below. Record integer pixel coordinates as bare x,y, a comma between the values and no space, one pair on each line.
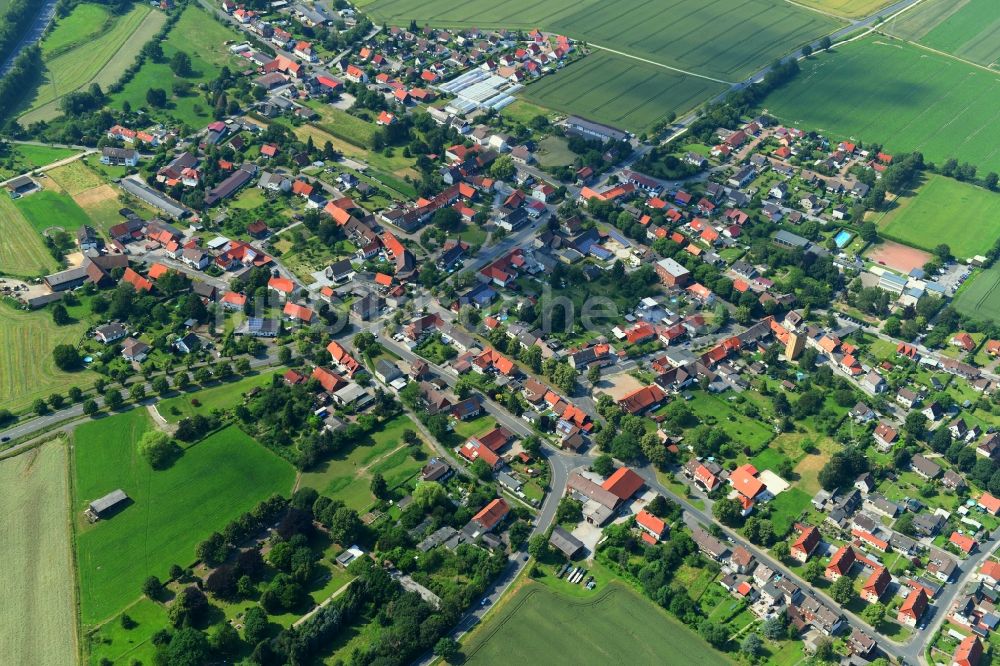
619,91
718,39
38,612
82,57
540,625
966,28
980,296
172,510
913,100
223,396
347,476
945,210
203,38
22,251
27,371
47,209
20,158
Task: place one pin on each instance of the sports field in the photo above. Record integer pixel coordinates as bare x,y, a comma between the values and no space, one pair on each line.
980,297
617,626
47,209
945,210
887,91
172,510
716,38
967,29
38,611
81,58
203,39
619,91
22,251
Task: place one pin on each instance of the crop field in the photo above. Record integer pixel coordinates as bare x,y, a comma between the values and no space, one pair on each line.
945,210
47,209
82,60
203,39
847,8
619,91
86,22
27,371
347,477
964,28
22,251
714,38
38,611
913,100
539,625
171,511
980,298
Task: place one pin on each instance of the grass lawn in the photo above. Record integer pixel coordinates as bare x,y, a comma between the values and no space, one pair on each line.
913,100
22,251
770,458
927,219
171,511
539,625
47,209
86,22
347,477
248,199
27,371
787,507
619,91
724,40
100,59
717,412
980,299
524,112
554,151
220,396
122,646
966,29
18,159
203,38
39,611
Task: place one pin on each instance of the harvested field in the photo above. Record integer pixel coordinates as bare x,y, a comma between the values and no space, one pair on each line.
22,251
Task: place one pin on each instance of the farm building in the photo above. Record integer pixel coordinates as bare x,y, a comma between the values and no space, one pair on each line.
100,508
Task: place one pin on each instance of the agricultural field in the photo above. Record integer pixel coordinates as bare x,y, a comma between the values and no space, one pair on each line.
16,159
51,210
980,297
90,49
718,39
99,200
539,625
27,371
347,476
913,100
172,510
945,210
22,251
203,38
966,29
38,612
847,8
618,91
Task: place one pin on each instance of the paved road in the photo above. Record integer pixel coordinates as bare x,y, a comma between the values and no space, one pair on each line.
34,32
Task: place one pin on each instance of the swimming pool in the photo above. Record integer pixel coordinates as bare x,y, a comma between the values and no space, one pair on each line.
842,238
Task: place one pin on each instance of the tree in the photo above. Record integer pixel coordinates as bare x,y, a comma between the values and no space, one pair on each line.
113,399
594,374
482,469
152,587
448,649
569,511
781,550
90,407
225,639
255,625
874,614
518,533
842,591
813,571
603,465
824,43
503,168
727,511
74,392
66,358
807,50
284,355
379,487
345,526
59,315
158,449
991,180
180,64
161,385
538,547
156,97
40,407
752,645
187,647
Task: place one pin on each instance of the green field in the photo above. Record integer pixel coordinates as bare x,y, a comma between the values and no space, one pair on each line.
21,158
945,210
79,60
847,8
724,40
616,626
223,396
46,209
620,91
964,28
203,38
86,22
980,297
912,100
38,611
172,510
347,477
27,370
22,251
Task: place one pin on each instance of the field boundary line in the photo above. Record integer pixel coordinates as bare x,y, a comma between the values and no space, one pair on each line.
985,68
659,64
817,10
